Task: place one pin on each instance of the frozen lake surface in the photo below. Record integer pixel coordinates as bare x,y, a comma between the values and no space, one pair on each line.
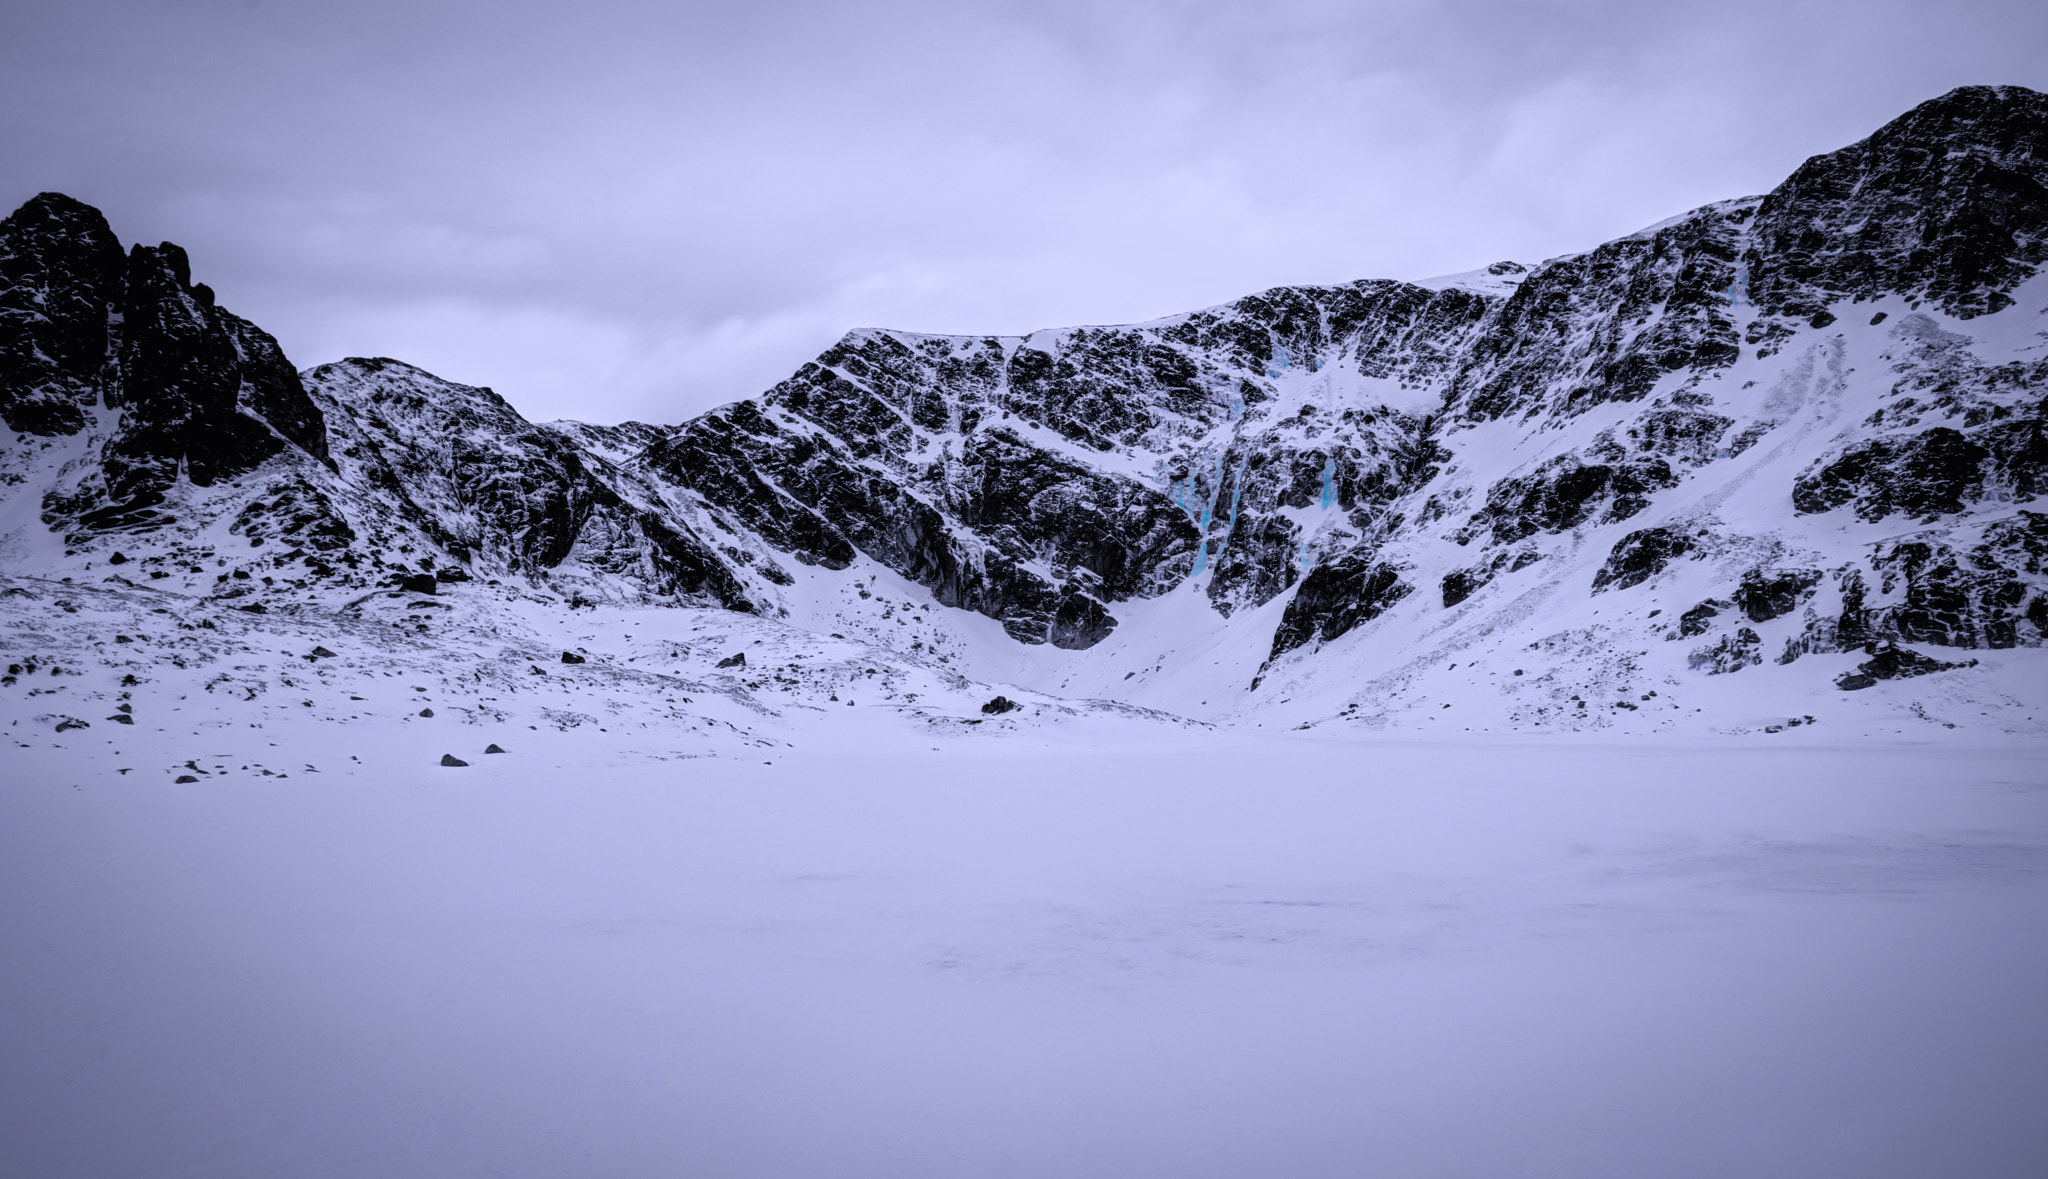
1210,955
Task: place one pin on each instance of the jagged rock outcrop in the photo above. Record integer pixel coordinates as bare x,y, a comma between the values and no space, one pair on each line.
201,394
496,492
1945,204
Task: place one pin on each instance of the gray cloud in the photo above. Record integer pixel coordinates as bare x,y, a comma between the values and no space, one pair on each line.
637,209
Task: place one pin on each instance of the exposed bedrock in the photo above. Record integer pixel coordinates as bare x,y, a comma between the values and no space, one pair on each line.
201,394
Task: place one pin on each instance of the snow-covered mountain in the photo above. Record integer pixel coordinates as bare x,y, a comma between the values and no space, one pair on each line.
1796,437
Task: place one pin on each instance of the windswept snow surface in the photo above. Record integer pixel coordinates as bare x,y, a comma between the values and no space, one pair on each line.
713,922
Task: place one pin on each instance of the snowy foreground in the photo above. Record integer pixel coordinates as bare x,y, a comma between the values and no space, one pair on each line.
869,941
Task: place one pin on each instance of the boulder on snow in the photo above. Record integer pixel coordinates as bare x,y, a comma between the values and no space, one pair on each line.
427,712
1000,705
122,718
418,583
571,657
1889,661
494,747
449,759
184,778
739,660
322,653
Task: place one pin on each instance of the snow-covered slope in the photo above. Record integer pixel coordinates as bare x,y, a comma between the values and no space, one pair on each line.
1778,457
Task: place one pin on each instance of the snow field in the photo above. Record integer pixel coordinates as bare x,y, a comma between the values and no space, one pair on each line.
1098,948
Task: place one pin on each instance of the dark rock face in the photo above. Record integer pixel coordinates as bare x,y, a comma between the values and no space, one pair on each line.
1953,432
1925,476
1656,303
1080,622
1991,594
459,466
1890,661
203,394
1945,203
1460,584
1337,597
1764,596
1565,493
1640,556
61,278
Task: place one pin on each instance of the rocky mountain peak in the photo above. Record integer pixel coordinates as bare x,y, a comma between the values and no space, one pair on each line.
1944,204
198,394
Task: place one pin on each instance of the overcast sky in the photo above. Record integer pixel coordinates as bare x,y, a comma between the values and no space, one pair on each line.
612,210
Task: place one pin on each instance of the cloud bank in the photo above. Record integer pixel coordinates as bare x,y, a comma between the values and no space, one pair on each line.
642,210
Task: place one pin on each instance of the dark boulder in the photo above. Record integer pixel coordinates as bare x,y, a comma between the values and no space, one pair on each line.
1337,597
1000,705
1460,584
1764,596
1889,661
1640,556
449,759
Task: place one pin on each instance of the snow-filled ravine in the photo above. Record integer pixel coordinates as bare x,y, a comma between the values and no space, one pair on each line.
850,940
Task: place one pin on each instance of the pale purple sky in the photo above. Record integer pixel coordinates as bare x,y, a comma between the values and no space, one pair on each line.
612,210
